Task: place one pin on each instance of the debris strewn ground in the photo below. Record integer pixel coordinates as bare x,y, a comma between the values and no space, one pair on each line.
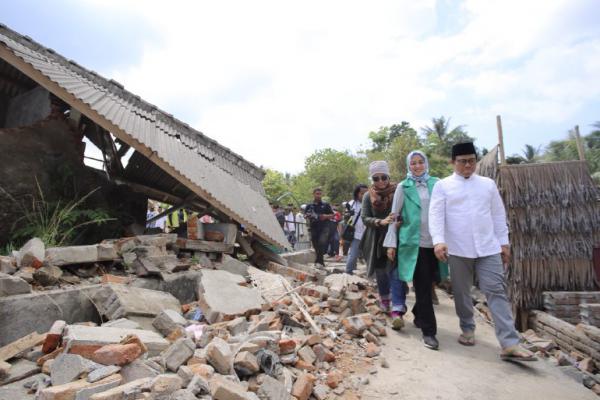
286,330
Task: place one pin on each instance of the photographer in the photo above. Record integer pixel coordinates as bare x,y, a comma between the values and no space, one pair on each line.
318,215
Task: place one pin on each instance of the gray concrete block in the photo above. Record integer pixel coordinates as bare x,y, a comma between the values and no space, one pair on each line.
102,372
232,265
80,335
272,389
20,369
167,321
70,255
219,355
220,296
12,285
69,367
137,369
178,353
32,252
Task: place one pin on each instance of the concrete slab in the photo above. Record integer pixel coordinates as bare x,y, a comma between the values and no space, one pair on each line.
221,297
122,301
81,339
20,369
23,314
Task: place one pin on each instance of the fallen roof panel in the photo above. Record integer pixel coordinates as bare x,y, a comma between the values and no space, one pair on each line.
225,180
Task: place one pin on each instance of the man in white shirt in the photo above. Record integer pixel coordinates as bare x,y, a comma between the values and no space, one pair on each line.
467,222
290,225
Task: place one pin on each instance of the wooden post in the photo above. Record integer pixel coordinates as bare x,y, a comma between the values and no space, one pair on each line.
579,143
500,140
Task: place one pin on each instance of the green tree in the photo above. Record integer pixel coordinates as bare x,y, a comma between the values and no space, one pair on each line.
334,171
275,184
441,138
530,154
302,187
385,136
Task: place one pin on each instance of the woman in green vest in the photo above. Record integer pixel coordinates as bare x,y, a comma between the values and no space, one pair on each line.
415,257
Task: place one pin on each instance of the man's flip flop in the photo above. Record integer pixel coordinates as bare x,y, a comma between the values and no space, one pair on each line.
517,353
467,339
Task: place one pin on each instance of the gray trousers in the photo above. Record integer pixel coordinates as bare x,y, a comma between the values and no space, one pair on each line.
490,273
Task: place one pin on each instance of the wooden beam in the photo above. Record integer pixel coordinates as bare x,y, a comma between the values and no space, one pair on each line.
500,140
579,143
20,345
170,210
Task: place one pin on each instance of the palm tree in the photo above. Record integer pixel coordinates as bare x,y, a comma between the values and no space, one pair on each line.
531,153
441,127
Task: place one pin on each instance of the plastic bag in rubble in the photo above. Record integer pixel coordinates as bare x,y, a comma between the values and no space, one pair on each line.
269,362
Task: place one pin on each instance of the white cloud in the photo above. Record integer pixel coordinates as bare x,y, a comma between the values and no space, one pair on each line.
274,81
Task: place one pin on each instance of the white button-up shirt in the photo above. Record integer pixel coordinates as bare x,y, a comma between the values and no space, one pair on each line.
468,215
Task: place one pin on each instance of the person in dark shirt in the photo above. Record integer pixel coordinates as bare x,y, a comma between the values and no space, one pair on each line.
279,214
318,214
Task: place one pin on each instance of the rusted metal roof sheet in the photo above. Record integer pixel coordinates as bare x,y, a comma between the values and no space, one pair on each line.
228,182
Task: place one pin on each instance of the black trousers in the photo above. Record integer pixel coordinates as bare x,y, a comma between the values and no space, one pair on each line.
320,240
425,273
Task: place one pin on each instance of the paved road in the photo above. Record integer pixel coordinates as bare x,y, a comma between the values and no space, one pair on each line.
463,373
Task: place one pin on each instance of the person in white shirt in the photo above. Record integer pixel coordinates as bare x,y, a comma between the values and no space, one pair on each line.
467,222
301,223
290,225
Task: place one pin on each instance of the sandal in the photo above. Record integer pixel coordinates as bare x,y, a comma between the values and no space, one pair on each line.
517,353
467,339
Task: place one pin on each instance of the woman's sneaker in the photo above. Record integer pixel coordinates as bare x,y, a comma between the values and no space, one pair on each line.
384,304
397,321
431,342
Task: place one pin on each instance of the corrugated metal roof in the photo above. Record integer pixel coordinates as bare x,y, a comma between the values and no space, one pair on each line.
233,185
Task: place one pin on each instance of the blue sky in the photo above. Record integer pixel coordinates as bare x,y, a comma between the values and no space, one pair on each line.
276,80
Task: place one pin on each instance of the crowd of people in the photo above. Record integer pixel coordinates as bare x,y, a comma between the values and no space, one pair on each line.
423,230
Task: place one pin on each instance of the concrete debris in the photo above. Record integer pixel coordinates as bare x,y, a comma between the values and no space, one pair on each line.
8,265
11,285
178,353
221,296
48,275
219,355
31,254
69,367
267,338
136,304
167,321
85,340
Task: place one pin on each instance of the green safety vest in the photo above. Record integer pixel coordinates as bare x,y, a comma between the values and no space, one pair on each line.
409,235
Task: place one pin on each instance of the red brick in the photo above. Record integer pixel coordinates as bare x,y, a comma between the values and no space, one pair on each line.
117,354
301,364
334,378
303,386
323,354
53,337
287,346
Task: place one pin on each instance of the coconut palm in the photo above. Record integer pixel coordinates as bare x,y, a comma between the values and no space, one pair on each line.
531,154
441,127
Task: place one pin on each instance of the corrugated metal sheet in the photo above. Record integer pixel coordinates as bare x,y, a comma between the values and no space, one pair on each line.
232,183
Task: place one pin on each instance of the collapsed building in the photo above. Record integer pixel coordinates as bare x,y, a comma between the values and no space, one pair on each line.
49,104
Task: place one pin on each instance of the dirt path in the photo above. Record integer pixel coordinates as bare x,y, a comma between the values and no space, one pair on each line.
465,373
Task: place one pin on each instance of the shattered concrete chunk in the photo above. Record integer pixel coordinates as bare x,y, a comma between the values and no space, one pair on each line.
232,265
85,340
69,367
120,392
98,387
70,255
48,275
136,370
20,369
272,389
178,353
31,254
137,304
219,355
11,285
167,321
165,384
103,372
220,296
223,389
246,364
198,385
123,323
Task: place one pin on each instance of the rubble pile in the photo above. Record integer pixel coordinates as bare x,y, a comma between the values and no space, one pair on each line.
251,333
572,348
